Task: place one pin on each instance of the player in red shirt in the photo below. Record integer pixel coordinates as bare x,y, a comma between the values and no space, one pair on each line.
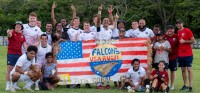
173,40
185,55
159,78
16,40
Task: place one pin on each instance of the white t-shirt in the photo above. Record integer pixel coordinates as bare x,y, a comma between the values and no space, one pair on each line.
94,28
162,54
104,34
31,34
49,38
72,33
40,57
115,32
135,75
130,33
24,63
87,36
147,33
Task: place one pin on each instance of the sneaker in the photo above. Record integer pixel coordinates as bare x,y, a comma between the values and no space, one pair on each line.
100,87
7,87
190,89
184,88
37,88
147,90
12,89
108,87
151,90
28,88
171,87
78,85
87,85
130,90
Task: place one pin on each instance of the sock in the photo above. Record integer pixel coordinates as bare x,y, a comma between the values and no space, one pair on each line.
8,83
29,83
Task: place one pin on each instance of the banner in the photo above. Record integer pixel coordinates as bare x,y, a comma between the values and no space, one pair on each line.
99,61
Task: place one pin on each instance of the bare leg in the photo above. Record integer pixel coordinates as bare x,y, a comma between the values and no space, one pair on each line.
184,75
173,75
190,75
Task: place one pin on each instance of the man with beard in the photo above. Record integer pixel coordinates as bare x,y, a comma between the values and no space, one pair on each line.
143,31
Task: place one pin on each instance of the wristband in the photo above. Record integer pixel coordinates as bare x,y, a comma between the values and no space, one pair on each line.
99,12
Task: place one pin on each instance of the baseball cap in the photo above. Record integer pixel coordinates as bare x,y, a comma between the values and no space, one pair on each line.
20,23
160,33
170,27
179,21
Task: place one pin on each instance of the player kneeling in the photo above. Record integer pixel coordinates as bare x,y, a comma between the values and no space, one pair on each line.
136,78
49,70
25,70
159,79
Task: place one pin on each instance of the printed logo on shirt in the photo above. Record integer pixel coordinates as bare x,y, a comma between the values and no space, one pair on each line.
36,30
146,32
174,39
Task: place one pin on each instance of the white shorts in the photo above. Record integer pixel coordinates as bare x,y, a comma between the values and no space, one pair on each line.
22,78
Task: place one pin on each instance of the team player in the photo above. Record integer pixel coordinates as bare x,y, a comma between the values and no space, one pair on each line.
103,33
49,70
143,31
31,31
173,40
130,32
16,40
159,79
21,71
185,55
162,48
75,30
87,34
136,77
49,32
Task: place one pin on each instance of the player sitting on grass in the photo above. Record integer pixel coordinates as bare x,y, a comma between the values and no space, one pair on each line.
49,70
159,78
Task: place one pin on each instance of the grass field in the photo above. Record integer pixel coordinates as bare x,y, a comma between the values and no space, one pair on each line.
62,89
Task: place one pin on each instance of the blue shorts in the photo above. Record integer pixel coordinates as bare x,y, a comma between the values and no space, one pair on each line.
12,59
185,61
173,65
155,65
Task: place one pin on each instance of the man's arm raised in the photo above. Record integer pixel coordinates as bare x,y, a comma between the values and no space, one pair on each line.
52,14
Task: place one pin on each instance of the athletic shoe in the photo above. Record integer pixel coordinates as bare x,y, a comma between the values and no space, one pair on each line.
16,87
37,88
151,90
171,87
87,85
100,87
108,87
184,88
12,89
190,89
78,85
147,90
28,88
7,87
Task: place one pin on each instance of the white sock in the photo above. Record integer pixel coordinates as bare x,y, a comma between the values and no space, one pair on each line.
147,86
8,83
29,83
36,83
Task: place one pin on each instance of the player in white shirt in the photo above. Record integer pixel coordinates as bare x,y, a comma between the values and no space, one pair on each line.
87,34
31,31
75,30
22,68
143,31
43,48
135,77
130,32
103,33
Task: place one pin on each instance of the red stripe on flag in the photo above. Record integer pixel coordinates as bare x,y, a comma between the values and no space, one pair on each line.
84,64
117,45
88,72
123,53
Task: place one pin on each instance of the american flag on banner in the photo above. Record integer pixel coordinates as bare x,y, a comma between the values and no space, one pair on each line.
74,59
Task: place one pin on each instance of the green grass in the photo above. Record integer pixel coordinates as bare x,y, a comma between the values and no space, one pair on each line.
62,89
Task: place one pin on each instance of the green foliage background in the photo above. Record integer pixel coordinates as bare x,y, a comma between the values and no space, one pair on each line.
163,12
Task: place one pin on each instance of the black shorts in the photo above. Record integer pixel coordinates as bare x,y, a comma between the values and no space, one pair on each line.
155,65
47,80
12,59
185,61
173,65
